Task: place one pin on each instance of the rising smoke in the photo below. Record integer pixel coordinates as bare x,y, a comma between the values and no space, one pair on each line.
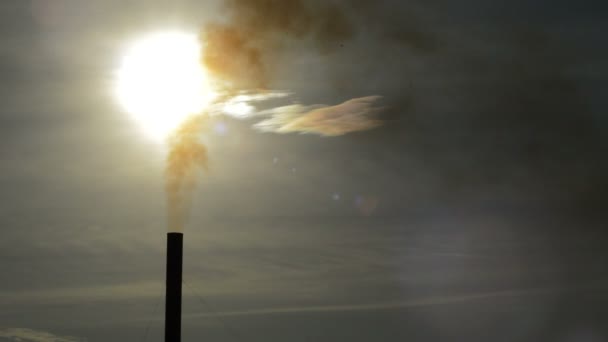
187,158
239,54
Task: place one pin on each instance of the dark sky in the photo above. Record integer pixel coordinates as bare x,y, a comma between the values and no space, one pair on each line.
475,213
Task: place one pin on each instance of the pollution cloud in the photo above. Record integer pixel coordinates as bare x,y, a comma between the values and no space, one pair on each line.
239,51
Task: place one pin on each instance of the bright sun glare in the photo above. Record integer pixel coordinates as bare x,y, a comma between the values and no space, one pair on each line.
161,81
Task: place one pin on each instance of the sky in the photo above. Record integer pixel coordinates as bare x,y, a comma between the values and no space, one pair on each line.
475,212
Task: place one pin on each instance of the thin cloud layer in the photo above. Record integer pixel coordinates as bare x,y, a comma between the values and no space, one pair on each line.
29,335
358,114
413,303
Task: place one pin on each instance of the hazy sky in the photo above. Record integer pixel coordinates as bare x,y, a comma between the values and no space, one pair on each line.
475,213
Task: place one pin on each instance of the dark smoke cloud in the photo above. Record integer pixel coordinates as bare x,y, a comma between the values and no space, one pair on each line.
239,52
242,49
243,52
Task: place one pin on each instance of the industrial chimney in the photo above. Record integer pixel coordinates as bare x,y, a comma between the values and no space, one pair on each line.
173,297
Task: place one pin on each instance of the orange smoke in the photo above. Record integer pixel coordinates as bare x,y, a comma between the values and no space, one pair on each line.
186,159
241,51
229,54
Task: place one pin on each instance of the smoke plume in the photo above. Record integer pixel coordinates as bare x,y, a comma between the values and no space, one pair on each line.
238,52
186,159
241,51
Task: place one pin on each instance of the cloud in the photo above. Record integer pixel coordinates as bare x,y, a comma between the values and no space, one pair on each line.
29,335
354,115
242,105
79,294
420,302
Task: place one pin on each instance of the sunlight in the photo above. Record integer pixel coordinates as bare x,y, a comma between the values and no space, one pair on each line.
161,82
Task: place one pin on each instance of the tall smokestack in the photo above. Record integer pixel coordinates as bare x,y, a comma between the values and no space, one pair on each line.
173,299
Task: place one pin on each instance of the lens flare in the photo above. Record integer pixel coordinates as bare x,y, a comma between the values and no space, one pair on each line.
161,82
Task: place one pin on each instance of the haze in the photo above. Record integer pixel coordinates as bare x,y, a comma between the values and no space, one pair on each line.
471,206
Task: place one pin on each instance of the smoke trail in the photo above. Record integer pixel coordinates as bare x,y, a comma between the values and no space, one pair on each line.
186,159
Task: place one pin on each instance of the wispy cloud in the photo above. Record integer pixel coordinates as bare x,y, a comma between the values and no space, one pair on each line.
242,105
78,294
30,335
357,114
420,302
354,115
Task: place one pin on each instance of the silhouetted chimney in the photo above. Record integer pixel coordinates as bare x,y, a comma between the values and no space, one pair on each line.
173,299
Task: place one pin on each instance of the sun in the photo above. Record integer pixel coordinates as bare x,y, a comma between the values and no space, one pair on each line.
161,81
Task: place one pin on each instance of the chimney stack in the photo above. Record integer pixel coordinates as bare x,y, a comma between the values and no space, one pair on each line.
173,299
